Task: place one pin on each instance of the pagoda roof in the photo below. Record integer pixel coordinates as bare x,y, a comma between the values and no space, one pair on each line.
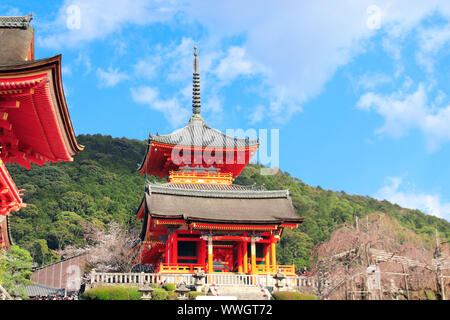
236,206
198,134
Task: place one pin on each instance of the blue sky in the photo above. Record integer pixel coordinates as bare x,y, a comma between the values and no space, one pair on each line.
358,89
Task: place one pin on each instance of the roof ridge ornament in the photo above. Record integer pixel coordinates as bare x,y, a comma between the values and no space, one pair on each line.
21,22
196,105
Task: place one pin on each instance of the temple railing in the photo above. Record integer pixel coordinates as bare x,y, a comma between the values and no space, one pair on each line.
98,278
288,270
180,268
219,279
261,269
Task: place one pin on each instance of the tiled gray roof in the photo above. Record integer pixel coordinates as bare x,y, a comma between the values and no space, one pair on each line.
215,191
201,186
198,134
239,207
22,22
16,37
41,290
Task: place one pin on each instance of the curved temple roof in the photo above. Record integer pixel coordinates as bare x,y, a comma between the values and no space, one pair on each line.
219,206
198,134
36,110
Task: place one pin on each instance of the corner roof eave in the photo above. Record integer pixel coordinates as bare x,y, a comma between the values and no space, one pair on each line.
54,64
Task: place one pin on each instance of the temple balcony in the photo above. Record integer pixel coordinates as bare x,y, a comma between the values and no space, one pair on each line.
184,268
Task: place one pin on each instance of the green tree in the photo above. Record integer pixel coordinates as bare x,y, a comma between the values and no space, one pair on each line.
295,247
41,252
15,270
68,229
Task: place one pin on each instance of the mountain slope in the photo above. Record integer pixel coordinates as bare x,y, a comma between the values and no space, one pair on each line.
102,184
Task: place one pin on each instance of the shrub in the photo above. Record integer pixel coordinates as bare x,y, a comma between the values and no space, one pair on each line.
169,286
159,294
112,293
430,295
193,294
288,295
172,295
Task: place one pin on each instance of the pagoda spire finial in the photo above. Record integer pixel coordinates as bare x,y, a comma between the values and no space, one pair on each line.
196,106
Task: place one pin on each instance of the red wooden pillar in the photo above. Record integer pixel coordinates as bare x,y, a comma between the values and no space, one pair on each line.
174,247
273,253
267,256
240,259
245,255
253,254
167,248
210,255
200,251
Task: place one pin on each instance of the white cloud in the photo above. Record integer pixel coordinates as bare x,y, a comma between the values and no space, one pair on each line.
370,81
428,203
431,41
146,68
84,60
235,64
66,70
257,115
404,111
299,45
434,39
111,77
11,11
100,18
172,108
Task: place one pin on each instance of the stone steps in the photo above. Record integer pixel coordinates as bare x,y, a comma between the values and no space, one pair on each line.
243,293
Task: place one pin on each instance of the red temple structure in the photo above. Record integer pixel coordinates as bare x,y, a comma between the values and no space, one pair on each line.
200,219
35,125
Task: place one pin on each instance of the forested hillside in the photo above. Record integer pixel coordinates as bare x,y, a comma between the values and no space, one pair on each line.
103,185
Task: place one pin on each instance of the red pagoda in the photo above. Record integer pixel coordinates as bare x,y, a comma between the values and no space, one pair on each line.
35,125
199,219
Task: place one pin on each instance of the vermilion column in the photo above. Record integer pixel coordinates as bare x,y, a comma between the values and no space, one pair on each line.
267,256
273,252
168,244
201,252
175,247
245,256
240,262
210,255
253,255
